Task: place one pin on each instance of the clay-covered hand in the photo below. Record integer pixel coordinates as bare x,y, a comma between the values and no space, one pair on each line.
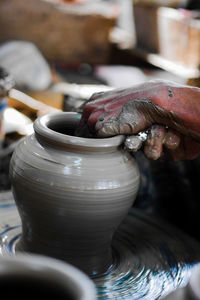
169,112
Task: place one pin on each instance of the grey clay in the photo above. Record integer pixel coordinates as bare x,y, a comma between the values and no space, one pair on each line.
72,192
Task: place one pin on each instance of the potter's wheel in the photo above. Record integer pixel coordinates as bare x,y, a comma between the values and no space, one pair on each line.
151,258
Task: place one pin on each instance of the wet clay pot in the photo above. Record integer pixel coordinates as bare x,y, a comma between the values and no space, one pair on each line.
72,192
41,277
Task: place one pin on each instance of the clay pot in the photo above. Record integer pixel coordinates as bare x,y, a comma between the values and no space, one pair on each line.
72,192
38,276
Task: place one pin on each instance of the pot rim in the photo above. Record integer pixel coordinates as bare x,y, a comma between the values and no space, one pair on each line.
41,128
63,272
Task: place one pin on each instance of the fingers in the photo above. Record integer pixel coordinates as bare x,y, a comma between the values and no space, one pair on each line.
162,142
172,140
127,120
188,149
159,141
154,145
92,120
134,142
120,115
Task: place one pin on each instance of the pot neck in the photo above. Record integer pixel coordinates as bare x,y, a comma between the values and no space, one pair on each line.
57,130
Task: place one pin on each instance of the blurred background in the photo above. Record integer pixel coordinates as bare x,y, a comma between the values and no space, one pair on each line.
54,54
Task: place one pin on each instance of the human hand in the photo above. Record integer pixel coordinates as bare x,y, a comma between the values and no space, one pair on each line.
168,111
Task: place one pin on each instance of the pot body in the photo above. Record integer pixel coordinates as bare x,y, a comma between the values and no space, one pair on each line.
71,192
